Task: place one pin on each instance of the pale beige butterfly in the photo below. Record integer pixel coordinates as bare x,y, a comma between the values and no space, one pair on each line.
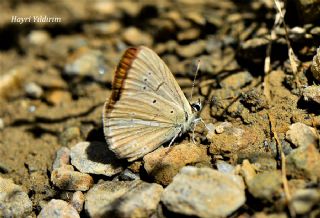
147,107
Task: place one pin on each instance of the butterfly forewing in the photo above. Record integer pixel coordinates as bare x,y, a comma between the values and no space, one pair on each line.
146,107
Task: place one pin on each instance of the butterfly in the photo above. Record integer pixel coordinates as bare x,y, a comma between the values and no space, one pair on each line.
147,106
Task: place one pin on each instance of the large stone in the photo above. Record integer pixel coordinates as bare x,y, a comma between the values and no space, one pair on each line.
204,192
300,134
164,163
125,199
58,209
14,202
94,158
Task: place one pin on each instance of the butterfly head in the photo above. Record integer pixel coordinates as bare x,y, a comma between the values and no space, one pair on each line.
196,107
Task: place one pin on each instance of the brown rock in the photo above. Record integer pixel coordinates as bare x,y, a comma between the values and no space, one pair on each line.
134,36
191,50
164,163
67,179
58,209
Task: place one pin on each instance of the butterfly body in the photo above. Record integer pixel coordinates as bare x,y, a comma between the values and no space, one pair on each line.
147,107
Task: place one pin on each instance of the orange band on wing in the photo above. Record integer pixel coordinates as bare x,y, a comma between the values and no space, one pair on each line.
120,76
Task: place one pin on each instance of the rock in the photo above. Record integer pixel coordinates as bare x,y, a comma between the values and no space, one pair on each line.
38,37
128,175
304,199
14,202
85,62
304,162
103,28
224,167
189,34
236,81
300,134
134,36
33,90
62,158
191,50
70,135
164,163
266,186
315,31
247,171
315,66
94,158
58,97
77,201
311,93
1,124
58,209
204,192
123,199
11,80
67,179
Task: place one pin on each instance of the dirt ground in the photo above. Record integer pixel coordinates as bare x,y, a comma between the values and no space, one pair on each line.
55,77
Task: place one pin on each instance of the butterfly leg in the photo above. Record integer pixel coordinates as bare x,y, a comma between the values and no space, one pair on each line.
174,138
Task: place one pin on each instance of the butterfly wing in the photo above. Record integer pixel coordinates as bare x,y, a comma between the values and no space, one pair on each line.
146,108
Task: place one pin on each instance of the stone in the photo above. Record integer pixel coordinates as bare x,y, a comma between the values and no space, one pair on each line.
134,36
308,10
312,94
58,97
189,34
14,202
204,192
67,179
300,134
127,199
237,80
70,135
103,28
33,90
315,66
77,201
62,158
247,171
85,62
38,37
191,50
1,124
94,158
304,199
266,186
304,162
224,167
58,209
164,163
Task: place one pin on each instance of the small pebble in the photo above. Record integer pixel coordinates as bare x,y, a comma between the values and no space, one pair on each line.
1,124
247,171
94,158
300,134
304,162
134,36
70,135
38,37
204,192
191,50
58,209
129,199
77,201
58,97
304,199
311,93
266,186
33,90
14,202
67,179
224,167
62,158
315,66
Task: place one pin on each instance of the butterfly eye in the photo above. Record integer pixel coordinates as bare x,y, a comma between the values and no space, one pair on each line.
196,106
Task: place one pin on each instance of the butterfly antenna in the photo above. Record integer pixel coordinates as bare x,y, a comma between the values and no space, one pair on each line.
194,80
